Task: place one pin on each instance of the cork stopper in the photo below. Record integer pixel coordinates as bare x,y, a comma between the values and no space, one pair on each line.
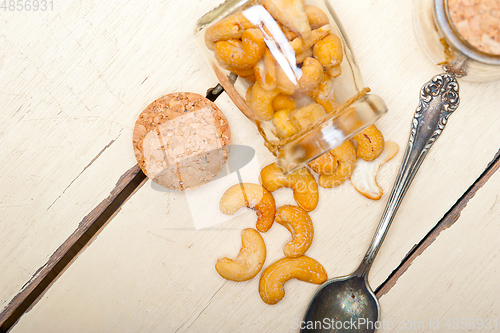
478,22
181,140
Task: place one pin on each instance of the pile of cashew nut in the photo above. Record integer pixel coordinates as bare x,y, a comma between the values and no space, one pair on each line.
239,47
290,102
358,161
252,255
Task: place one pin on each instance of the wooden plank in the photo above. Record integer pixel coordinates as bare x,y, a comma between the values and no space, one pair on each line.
72,82
448,220
458,270
92,223
149,270
160,273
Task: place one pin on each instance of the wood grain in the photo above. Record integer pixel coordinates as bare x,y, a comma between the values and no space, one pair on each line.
72,82
160,272
63,251
452,216
456,277
150,270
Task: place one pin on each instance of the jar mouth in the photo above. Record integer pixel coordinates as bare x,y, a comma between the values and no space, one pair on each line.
455,40
355,118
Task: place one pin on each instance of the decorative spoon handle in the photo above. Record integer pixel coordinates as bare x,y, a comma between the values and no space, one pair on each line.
438,99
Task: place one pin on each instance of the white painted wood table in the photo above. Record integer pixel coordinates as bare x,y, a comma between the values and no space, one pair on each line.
72,82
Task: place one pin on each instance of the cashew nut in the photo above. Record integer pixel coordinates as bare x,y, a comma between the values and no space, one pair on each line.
272,281
302,182
249,261
301,45
297,44
316,36
324,94
346,156
307,115
284,126
298,222
272,178
316,17
261,101
248,95
364,177
265,71
329,51
242,54
282,102
290,13
326,164
370,143
334,71
240,72
251,196
312,74
289,34
284,84
300,57
251,78
232,27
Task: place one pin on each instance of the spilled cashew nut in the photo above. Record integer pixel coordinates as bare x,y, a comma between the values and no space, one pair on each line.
242,54
232,27
346,156
370,143
302,182
307,115
329,51
251,196
326,164
298,222
312,74
364,177
249,261
272,281
290,13
316,17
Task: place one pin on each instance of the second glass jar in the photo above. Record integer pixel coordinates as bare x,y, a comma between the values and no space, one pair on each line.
439,36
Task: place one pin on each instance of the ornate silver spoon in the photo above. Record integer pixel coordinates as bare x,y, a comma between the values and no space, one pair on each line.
348,304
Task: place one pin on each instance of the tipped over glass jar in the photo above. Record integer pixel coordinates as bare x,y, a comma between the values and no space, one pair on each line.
288,66
461,36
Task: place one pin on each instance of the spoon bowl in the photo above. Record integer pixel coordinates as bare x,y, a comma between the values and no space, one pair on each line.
346,303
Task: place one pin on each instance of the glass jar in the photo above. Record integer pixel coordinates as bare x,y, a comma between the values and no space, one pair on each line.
447,48
288,67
